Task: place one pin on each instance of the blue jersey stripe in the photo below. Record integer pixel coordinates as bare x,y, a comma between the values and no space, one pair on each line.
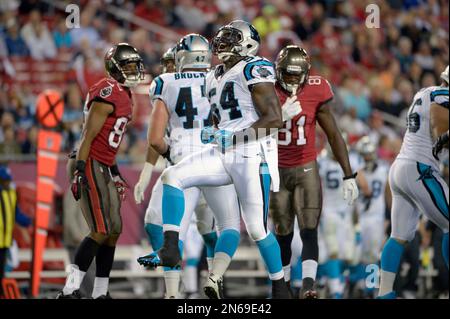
159,85
434,189
249,67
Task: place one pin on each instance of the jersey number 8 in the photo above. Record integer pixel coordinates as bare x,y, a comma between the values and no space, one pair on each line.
301,140
115,137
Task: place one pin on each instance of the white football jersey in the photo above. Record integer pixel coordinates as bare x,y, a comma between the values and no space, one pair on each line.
418,142
184,95
332,182
231,102
377,181
229,93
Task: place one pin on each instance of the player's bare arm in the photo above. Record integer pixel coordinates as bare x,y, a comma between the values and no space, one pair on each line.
157,127
439,120
98,113
327,122
268,107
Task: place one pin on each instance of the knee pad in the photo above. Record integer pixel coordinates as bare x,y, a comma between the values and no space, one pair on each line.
310,244
256,231
170,177
204,228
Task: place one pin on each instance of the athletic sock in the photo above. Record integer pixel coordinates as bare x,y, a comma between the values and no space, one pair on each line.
390,262
190,277
104,262
210,241
270,252
86,252
285,248
172,208
226,246
155,235
445,248
172,281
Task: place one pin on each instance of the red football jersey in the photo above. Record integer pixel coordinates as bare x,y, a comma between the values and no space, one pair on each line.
297,138
105,145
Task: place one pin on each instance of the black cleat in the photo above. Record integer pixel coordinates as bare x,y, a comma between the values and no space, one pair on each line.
169,254
107,296
74,295
280,289
212,288
308,290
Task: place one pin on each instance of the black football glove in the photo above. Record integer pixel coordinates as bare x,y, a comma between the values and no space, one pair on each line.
440,143
79,180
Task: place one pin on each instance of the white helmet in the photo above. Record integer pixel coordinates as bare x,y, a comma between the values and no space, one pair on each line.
192,52
237,38
444,75
366,148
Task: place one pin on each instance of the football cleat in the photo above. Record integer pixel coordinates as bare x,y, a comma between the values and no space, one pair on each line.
308,290
280,289
74,295
390,295
107,296
151,260
213,287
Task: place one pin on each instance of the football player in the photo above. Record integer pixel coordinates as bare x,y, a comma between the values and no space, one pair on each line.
181,107
371,209
337,223
96,180
305,102
243,153
414,179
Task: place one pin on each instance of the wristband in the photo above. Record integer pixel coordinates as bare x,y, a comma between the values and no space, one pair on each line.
80,166
114,170
350,176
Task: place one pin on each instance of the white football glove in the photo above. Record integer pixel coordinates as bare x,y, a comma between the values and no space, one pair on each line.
290,108
350,190
144,180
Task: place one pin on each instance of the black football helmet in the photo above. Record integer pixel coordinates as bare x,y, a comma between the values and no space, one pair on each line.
292,67
124,64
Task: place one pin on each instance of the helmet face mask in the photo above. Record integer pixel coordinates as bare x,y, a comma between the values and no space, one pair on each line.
124,64
292,68
238,38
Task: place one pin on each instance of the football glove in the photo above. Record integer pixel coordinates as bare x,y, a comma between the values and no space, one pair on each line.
290,108
439,144
119,181
79,180
144,180
350,189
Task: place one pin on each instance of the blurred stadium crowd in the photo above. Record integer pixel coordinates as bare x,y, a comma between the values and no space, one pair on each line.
374,72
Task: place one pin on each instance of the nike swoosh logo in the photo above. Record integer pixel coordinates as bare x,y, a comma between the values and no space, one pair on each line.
306,170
